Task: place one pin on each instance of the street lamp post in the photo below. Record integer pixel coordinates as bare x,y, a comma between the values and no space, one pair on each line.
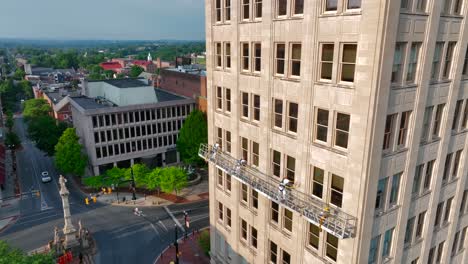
176,246
133,185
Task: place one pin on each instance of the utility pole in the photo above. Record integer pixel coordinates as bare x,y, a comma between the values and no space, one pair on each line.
176,246
133,185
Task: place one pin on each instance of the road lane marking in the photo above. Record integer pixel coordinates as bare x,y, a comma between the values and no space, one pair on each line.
162,224
19,223
174,219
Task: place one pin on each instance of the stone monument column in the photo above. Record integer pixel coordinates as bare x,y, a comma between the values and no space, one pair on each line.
69,230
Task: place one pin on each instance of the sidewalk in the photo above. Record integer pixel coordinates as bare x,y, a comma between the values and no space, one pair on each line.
9,207
190,194
189,252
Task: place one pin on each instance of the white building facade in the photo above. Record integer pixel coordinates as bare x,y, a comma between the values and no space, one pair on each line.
363,105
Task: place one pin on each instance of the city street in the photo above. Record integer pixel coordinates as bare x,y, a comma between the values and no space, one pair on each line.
121,236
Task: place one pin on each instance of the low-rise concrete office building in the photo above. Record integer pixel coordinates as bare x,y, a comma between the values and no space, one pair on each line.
125,121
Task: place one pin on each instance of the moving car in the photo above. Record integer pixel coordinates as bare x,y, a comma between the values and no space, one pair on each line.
45,177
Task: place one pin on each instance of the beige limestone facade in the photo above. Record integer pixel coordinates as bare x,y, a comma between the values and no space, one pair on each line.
363,105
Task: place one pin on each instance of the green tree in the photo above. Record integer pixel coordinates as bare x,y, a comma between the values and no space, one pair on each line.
135,71
204,241
16,256
68,155
191,135
34,108
45,132
11,139
9,121
140,172
19,74
114,176
26,89
109,74
173,179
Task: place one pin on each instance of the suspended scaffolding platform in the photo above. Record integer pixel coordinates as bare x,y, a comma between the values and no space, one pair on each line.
333,220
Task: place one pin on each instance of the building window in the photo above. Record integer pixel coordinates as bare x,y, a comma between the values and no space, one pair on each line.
342,130
394,191
228,217
290,168
228,182
464,122
218,10
220,211
438,120
244,193
331,5
256,106
257,57
245,105
295,60
465,65
463,203
255,154
227,53
280,58
286,258
409,230
254,199
448,59
388,134
220,177
413,62
245,9
278,113
387,243
462,239
281,8
276,162
430,257
287,219
420,225
398,59
317,185
426,123
448,206
381,194
332,247
428,176
228,141
293,117
273,252
337,187
436,61
322,125
227,10
218,56
274,212
219,98
243,229
326,62
354,4
298,7
440,250
258,9
374,249
457,7
253,237
403,130
348,62
245,56
438,216
456,116
421,5
228,99
455,242
314,236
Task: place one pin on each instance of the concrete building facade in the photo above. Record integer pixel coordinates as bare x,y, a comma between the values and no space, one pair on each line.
363,106
116,130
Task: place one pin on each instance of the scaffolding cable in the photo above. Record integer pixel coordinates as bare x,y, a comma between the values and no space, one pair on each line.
331,219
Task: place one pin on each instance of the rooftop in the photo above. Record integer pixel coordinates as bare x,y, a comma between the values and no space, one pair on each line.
126,83
88,103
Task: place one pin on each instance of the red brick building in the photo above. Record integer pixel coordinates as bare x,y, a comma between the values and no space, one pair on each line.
186,81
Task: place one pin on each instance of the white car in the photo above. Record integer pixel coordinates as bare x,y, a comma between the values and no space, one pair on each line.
45,177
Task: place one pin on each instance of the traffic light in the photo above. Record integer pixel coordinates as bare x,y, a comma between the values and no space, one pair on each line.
94,199
109,190
86,200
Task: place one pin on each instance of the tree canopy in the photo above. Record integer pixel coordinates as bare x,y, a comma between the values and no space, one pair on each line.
16,256
35,108
135,71
193,132
45,132
11,139
68,155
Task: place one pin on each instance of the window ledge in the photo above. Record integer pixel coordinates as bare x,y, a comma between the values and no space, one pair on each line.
225,23
287,134
332,149
352,12
416,13
451,16
293,17
449,182
388,211
420,195
388,153
286,78
345,85
404,86
249,121
457,133
227,114
433,140
250,21
249,73
440,81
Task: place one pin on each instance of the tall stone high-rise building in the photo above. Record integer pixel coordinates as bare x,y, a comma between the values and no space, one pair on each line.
362,105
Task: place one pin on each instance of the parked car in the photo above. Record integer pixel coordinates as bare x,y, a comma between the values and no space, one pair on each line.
45,177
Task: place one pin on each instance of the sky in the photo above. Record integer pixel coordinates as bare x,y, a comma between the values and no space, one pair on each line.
103,19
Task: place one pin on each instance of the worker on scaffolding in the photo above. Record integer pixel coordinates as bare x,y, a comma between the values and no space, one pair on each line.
240,163
214,150
282,188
